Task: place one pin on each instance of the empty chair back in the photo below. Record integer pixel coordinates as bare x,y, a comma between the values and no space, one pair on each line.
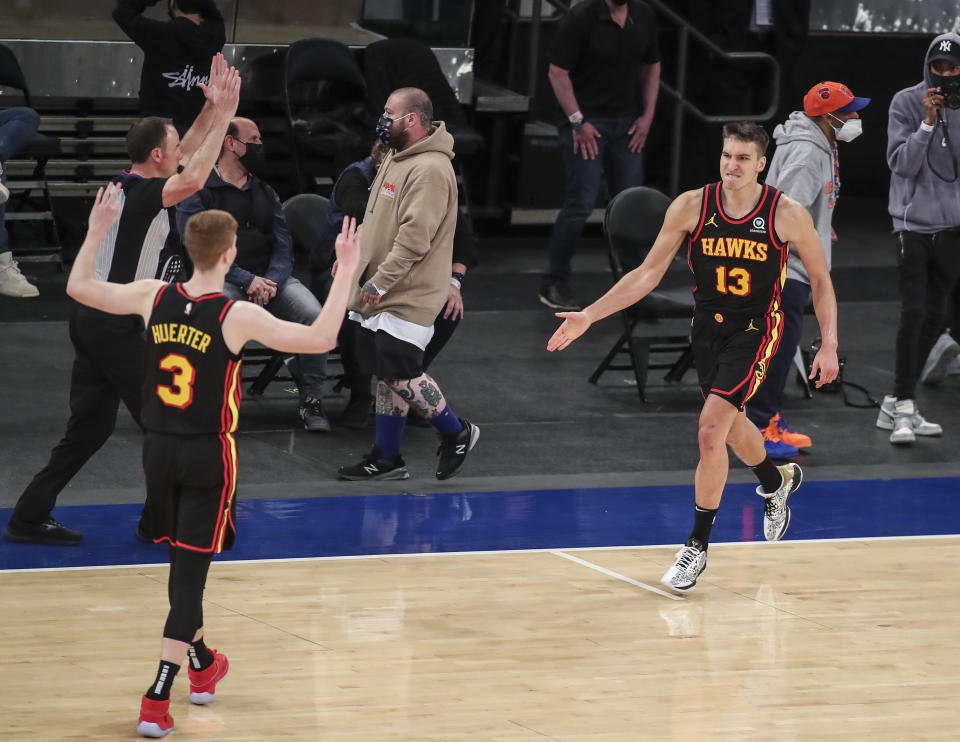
409,63
631,223
306,215
321,74
11,76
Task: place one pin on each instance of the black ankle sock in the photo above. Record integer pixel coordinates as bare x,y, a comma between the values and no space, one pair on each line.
160,689
702,524
768,474
199,656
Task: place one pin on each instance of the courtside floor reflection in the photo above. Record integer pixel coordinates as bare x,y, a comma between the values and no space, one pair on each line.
490,521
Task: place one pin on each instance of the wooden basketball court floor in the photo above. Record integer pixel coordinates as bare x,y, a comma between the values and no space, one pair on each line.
451,617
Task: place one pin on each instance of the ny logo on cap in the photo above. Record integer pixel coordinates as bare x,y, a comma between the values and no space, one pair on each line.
945,45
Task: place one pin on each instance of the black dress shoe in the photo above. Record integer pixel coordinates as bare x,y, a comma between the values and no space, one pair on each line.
49,532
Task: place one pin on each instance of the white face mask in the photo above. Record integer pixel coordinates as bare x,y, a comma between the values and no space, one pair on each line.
851,129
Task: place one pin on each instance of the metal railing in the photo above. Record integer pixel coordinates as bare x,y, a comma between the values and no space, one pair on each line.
686,33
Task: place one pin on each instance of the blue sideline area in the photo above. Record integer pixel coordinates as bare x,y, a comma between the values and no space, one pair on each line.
541,519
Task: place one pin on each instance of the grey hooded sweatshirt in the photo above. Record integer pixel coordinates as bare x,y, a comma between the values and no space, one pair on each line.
802,167
920,201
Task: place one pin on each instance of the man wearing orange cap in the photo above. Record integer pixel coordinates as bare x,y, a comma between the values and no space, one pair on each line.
806,167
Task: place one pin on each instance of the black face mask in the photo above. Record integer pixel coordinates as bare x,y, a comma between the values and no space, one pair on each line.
384,129
950,87
253,160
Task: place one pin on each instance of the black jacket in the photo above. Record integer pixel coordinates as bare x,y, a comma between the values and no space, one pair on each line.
176,56
253,209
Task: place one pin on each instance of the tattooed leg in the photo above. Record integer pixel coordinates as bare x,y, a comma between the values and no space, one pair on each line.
421,393
389,402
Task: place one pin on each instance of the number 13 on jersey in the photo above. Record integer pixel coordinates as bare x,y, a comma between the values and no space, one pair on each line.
735,281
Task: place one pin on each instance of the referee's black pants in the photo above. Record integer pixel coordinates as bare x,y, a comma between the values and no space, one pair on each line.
107,368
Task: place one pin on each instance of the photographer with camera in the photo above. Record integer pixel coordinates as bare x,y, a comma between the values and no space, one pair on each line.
923,145
806,167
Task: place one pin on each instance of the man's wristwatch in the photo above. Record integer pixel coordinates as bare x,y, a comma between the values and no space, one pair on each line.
576,120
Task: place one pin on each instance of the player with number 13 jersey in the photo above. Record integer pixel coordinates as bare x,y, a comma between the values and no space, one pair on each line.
740,264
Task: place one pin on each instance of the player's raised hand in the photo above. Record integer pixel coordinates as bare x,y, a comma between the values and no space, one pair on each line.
219,70
574,325
106,208
224,93
348,246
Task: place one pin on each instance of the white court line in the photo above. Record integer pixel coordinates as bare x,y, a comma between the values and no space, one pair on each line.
488,552
617,575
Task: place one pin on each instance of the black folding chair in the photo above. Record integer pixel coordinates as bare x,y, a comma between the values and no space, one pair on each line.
323,98
631,223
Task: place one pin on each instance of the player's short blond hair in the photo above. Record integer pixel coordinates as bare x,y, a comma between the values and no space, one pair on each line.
208,235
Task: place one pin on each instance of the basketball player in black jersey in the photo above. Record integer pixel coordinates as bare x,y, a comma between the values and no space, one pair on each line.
736,232
191,395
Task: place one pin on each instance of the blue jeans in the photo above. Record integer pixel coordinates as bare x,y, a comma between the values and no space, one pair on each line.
294,302
769,397
583,178
17,125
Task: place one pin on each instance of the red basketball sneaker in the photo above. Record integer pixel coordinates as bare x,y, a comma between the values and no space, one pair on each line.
155,719
203,683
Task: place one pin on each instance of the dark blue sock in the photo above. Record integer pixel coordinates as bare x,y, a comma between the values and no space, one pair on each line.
390,434
446,422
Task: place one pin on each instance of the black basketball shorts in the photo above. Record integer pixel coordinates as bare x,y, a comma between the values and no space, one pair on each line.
732,353
191,488
386,357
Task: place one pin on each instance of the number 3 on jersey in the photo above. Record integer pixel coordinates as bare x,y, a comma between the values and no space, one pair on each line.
180,392
736,281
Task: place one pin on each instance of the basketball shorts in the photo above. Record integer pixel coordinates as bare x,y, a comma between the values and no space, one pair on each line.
191,487
732,353
386,357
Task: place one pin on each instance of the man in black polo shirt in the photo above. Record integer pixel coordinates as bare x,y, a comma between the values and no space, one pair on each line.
108,349
605,72
175,54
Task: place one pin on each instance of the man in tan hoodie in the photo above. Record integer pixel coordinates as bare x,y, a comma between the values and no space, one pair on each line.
401,283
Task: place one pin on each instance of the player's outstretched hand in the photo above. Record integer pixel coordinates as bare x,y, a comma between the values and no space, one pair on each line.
106,208
348,246
574,325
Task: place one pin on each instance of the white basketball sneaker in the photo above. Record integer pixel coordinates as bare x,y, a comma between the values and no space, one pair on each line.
776,514
691,561
908,423
885,415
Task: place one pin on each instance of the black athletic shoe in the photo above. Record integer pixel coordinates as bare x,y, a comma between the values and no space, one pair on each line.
49,532
559,297
311,412
453,449
375,466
